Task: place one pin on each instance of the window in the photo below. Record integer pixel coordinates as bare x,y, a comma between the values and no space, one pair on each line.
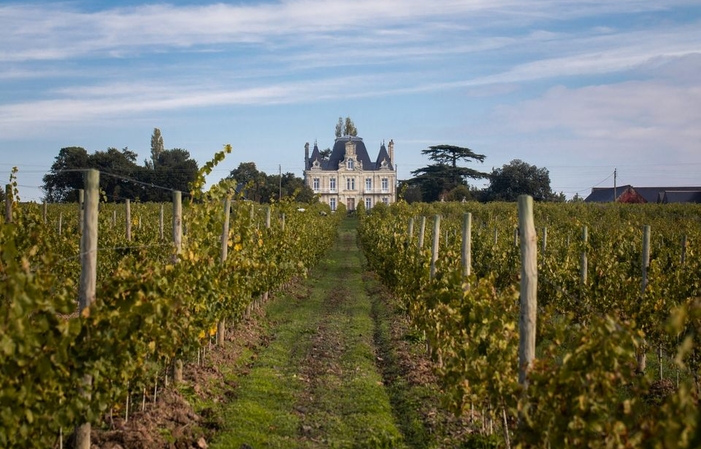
350,183
385,185
385,200
332,184
315,184
349,164
368,203
368,184
332,203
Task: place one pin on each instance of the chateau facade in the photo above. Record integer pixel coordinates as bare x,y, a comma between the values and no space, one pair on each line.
349,176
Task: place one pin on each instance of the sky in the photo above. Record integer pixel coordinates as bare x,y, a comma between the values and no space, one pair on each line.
578,87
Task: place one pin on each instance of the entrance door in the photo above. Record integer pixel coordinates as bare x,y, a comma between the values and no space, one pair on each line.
351,203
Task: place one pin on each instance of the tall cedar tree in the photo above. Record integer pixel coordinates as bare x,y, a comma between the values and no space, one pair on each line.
436,180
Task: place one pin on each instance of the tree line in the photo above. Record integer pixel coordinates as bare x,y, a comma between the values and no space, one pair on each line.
446,180
124,178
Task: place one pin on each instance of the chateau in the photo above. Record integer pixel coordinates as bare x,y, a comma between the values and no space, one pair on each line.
349,176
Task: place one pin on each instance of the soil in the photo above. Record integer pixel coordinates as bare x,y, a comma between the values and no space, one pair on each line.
173,423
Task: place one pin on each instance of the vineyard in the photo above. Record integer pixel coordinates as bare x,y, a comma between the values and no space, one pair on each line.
618,306
103,303
168,279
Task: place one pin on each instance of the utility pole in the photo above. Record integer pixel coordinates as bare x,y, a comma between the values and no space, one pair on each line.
614,185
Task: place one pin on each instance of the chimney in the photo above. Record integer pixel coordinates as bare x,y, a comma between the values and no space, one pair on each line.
306,155
391,151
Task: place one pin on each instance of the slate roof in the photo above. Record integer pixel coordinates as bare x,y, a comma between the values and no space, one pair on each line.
650,194
339,151
605,194
677,196
383,156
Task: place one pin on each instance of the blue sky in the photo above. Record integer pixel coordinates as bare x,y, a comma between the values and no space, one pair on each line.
578,87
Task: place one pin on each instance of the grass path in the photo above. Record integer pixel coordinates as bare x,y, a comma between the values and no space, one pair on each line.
317,383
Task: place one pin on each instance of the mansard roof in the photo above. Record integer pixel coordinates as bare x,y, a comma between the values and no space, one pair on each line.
338,153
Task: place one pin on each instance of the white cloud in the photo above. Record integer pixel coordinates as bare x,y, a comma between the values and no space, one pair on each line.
31,32
647,121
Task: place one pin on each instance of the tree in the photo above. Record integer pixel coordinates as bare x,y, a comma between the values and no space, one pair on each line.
411,193
156,146
325,154
339,127
436,180
120,171
577,198
174,170
264,188
349,128
250,179
64,178
519,178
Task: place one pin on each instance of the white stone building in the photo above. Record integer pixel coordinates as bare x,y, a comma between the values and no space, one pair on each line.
349,176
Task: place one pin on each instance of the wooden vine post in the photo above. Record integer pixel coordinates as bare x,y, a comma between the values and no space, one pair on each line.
44,212
529,287
584,267
178,243
545,239
88,280
466,252
127,208
642,351
422,233
410,232
81,199
683,258
266,294
436,241
221,325
160,222
8,203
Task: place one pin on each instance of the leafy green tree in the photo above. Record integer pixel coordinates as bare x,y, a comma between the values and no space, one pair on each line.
325,154
264,188
349,128
436,180
290,187
64,178
249,179
577,198
339,127
119,169
121,177
411,193
156,147
460,193
174,170
519,178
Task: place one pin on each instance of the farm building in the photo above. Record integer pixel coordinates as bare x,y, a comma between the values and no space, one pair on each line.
630,194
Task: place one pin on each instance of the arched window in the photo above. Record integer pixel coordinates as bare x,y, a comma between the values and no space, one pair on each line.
349,164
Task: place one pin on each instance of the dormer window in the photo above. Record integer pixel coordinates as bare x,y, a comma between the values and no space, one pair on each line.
316,163
349,164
